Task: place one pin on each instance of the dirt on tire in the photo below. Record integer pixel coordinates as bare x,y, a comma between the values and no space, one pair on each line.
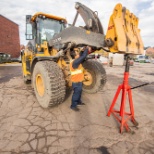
98,74
54,83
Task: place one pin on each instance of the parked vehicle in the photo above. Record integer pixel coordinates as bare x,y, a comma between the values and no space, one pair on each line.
16,59
147,60
136,60
5,58
142,59
152,61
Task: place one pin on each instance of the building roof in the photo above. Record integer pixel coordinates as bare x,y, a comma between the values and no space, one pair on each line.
8,19
150,51
22,47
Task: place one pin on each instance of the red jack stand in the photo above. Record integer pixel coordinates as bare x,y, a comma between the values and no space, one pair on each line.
125,88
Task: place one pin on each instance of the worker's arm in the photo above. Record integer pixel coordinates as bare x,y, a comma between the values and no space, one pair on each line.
78,61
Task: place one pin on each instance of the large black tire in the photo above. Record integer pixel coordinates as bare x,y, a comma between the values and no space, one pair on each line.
52,81
98,75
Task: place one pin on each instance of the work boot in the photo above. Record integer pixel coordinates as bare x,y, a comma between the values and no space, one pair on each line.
75,108
81,103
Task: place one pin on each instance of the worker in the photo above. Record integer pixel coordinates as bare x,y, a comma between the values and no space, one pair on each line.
77,75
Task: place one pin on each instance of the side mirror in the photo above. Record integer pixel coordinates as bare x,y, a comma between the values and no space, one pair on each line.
29,31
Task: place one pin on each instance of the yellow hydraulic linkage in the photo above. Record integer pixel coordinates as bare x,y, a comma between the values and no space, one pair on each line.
123,35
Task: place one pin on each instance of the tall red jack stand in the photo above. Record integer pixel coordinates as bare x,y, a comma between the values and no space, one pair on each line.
123,116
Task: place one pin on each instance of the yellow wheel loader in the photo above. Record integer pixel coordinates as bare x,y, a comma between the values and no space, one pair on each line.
46,59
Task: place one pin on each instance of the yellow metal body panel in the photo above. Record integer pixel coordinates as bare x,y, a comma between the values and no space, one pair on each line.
88,80
45,47
48,16
137,32
66,71
42,49
27,56
54,52
123,31
40,86
121,38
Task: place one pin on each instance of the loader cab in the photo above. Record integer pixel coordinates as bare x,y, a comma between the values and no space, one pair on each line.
43,27
47,28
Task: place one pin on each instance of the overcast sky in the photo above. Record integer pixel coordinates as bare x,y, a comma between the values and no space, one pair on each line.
16,10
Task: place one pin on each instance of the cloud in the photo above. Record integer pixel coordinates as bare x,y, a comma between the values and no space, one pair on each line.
16,11
146,23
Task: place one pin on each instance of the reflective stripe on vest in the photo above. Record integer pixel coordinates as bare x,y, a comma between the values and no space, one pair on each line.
76,72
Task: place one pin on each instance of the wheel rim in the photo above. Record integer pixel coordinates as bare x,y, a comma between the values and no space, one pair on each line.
88,78
40,85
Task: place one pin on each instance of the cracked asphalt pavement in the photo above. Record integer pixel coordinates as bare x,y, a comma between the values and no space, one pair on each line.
26,128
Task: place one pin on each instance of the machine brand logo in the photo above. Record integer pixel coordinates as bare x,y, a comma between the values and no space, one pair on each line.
110,27
57,40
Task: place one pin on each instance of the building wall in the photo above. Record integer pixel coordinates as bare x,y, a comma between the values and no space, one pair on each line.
9,37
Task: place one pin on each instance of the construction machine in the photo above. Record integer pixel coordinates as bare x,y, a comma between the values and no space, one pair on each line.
46,59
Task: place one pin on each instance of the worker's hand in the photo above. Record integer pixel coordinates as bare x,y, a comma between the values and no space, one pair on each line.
60,53
86,47
82,48
89,49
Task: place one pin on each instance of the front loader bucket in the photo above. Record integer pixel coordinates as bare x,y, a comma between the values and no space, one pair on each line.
123,35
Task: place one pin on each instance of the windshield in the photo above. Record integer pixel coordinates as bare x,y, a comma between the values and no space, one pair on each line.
49,27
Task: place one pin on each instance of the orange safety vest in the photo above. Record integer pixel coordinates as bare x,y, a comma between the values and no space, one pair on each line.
76,74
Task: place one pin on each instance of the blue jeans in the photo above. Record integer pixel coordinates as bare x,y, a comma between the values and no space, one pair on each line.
76,97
